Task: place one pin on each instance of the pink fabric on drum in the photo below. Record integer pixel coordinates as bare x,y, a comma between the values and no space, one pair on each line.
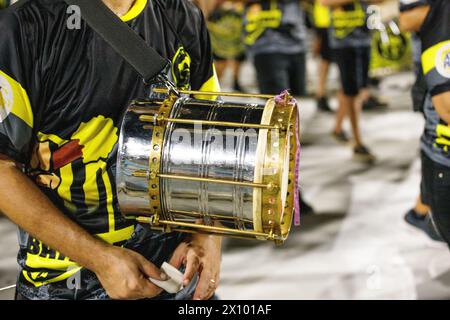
297,175
285,99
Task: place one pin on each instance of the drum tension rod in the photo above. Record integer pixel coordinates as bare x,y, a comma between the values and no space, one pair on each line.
160,119
212,93
145,174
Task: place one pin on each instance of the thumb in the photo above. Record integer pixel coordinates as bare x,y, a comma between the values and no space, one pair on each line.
151,271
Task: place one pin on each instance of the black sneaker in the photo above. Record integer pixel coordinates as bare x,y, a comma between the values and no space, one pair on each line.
237,87
322,104
340,137
374,103
424,223
362,153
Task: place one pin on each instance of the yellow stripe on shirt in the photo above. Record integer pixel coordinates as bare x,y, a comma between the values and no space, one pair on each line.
212,85
430,56
14,99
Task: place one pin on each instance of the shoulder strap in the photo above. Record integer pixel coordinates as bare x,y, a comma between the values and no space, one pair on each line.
127,43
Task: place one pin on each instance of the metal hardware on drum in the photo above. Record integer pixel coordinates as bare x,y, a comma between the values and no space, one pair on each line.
173,182
221,94
144,174
207,123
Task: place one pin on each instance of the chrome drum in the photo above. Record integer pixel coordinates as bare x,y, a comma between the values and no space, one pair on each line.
209,166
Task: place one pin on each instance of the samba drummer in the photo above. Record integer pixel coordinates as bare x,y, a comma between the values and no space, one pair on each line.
62,95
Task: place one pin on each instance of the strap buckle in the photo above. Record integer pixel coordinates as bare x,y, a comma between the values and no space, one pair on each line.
162,80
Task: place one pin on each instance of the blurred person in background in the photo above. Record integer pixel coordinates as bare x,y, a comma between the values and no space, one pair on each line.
412,15
225,25
321,19
275,33
432,20
350,39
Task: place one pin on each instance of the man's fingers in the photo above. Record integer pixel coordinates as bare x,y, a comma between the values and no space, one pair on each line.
179,255
192,266
207,285
151,271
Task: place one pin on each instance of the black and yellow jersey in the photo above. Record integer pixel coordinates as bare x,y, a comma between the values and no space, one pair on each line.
275,26
349,26
63,91
435,38
225,25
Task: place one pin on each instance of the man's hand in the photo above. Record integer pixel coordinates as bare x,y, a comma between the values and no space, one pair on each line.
203,255
124,275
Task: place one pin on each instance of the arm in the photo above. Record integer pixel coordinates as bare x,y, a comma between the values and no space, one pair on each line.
122,272
442,104
413,19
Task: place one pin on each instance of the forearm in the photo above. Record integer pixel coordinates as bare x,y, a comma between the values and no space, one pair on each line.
24,204
412,20
442,105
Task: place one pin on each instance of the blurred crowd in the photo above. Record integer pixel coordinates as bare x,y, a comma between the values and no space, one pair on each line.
277,36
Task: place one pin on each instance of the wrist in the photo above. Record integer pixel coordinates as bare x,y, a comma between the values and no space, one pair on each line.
100,257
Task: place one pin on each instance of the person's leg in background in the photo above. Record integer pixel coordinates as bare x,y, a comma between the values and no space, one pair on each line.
237,64
272,72
338,132
221,66
436,181
297,74
352,69
363,61
324,52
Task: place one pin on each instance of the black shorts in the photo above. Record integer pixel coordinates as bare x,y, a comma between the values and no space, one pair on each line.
353,65
240,58
326,52
435,191
277,72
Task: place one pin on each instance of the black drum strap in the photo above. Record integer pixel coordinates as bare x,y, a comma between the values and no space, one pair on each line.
127,43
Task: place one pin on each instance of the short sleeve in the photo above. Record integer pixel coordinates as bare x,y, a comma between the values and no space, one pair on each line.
435,35
16,115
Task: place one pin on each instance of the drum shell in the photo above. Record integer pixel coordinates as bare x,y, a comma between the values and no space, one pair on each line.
216,152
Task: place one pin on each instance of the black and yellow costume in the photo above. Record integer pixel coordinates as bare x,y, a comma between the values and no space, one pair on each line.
275,33
350,40
321,17
435,38
63,91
